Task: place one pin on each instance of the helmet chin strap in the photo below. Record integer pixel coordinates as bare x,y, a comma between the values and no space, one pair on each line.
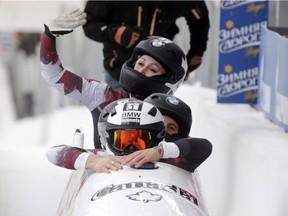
171,88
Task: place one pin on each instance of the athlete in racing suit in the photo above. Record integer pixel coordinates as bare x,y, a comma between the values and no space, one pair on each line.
95,95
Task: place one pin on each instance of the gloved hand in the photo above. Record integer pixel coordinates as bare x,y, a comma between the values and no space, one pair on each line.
127,36
66,22
193,64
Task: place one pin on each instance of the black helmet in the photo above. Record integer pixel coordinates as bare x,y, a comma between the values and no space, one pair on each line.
128,125
168,54
175,108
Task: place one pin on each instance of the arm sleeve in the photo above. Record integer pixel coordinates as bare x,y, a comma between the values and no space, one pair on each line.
198,22
170,149
98,26
87,92
193,152
71,157
64,156
81,160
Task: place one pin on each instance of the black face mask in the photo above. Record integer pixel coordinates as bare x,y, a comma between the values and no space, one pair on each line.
172,138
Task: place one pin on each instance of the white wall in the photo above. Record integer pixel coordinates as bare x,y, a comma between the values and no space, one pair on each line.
80,54
247,173
29,16
7,114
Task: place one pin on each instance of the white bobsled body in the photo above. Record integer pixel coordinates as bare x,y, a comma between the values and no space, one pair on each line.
166,190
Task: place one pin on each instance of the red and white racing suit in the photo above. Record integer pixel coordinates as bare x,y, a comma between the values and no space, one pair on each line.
93,94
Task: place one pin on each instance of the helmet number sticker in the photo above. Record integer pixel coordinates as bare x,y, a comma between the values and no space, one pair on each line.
131,113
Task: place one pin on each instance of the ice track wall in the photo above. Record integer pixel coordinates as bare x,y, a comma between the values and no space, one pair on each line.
247,173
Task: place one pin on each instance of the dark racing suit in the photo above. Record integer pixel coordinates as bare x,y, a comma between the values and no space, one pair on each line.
149,18
95,95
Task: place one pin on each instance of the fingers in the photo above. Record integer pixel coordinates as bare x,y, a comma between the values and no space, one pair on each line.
77,19
138,161
195,60
129,161
126,36
72,19
140,157
114,164
104,164
77,10
76,15
134,38
137,157
119,33
111,166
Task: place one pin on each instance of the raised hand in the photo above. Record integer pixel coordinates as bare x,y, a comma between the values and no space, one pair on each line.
65,23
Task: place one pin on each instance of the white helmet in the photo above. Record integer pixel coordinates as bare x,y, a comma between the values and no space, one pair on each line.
129,125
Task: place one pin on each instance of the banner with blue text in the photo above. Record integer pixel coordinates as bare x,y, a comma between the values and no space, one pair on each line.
239,42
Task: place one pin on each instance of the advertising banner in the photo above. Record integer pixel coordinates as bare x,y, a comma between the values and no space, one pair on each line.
239,41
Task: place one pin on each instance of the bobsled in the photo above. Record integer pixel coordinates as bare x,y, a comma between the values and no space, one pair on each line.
153,189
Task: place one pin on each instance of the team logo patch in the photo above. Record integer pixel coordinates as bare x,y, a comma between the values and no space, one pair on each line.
145,196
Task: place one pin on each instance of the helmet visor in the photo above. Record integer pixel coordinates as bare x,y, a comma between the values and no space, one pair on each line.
131,140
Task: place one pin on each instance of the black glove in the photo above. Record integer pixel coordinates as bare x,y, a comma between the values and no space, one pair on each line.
192,67
127,34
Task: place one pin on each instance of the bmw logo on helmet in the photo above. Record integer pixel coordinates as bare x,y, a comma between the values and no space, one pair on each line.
172,100
159,42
